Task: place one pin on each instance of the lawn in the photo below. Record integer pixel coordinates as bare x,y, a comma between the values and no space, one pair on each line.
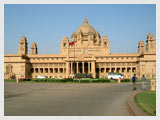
9,80
147,102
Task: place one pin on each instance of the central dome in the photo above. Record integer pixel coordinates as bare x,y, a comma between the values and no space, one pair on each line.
85,27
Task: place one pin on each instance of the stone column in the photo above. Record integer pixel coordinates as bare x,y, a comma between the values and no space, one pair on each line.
93,70
109,69
120,70
63,70
126,73
38,68
74,67
34,71
58,69
49,70
67,69
77,67
88,67
82,67
125,69
53,69
71,68
132,70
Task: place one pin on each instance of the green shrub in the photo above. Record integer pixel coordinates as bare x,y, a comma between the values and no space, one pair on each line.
44,80
9,80
125,80
61,80
95,80
85,78
105,81
83,75
76,80
102,80
68,79
82,80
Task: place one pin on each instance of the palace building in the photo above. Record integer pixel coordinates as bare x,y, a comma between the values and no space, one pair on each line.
87,52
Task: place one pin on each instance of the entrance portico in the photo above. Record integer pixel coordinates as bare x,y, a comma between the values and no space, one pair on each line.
81,67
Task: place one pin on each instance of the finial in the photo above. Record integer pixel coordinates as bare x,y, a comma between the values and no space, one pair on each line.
85,20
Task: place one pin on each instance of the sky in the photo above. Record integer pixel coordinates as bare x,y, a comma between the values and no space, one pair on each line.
124,24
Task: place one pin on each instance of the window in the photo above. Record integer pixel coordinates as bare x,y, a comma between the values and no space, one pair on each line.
36,70
32,70
102,70
64,44
105,44
46,70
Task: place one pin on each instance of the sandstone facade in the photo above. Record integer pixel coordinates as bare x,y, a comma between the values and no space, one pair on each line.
86,53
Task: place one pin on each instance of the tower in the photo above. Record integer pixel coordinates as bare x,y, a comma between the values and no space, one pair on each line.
33,49
141,47
150,44
23,46
105,45
64,45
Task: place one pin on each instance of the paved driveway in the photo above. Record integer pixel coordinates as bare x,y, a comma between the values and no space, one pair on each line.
50,99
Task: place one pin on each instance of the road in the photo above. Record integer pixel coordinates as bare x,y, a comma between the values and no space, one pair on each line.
60,99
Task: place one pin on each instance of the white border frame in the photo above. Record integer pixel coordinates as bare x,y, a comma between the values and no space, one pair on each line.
2,2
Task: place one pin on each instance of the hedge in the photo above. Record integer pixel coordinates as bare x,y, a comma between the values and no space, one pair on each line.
82,75
100,80
48,80
126,80
84,80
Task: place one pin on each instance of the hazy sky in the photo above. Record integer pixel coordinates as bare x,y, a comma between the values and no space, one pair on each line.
124,25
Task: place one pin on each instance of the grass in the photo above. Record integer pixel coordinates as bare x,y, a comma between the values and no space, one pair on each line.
9,80
147,102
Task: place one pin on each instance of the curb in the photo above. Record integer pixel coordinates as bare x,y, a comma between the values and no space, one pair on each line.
133,109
